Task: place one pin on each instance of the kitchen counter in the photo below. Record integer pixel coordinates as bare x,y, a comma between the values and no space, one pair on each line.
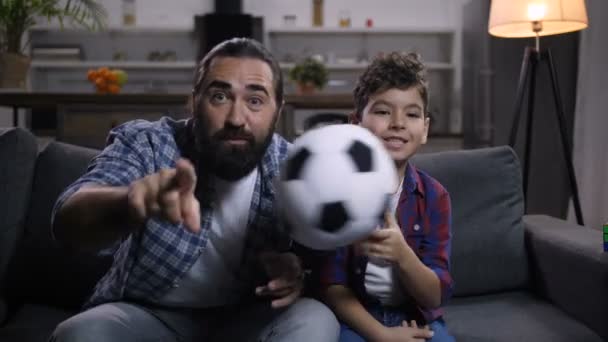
22,99
76,105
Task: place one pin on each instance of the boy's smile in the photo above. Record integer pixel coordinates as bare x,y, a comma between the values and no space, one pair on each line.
394,142
397,116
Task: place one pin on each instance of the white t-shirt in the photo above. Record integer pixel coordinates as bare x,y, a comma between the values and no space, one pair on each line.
380,279
211,281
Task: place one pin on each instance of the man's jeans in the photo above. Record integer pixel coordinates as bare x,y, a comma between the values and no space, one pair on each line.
305,320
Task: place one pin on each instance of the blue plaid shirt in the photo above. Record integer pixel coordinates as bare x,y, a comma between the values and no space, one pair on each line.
150,261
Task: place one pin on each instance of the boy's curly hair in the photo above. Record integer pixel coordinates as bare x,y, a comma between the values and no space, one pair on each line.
393,70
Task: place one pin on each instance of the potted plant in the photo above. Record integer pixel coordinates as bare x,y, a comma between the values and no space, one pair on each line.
18,16
309,74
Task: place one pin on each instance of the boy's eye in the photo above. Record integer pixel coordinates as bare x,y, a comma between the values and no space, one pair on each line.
413,114
381,112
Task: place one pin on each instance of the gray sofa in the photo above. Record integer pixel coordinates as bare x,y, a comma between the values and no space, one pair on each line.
517,278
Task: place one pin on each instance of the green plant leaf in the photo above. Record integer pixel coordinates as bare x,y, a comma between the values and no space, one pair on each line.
310,71
18,16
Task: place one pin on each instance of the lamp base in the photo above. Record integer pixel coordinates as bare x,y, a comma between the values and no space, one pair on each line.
532,58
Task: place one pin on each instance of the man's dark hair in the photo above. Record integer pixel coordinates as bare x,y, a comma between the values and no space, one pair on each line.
240,48
393,70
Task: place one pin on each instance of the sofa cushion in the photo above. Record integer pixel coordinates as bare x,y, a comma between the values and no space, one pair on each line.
33,323
18,150
2,310
512,316
44,272
488,250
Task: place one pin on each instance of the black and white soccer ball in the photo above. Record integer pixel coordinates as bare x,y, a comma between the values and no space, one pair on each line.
335,186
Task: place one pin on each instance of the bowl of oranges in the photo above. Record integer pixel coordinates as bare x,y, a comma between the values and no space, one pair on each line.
106,80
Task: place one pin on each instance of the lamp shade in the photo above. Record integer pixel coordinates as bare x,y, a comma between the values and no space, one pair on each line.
513,18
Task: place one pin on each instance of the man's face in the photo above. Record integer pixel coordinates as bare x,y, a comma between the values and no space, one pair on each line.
397,117
236,112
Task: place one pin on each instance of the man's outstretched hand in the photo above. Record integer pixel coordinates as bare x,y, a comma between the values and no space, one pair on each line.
168,194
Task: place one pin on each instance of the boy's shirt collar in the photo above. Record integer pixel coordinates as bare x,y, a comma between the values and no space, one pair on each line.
412,182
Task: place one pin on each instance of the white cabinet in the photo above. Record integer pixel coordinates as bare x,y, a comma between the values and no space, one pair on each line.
347,51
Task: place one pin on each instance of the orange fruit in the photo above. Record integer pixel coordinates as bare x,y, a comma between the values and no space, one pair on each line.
100,82
103,72
113,88
112,77
91,75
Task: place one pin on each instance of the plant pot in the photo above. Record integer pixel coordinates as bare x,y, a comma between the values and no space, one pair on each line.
13,70
306,88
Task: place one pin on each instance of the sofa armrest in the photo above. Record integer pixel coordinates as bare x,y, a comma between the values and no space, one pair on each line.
2,311
570,268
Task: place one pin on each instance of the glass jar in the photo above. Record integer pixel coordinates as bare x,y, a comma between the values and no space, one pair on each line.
128,12
344,18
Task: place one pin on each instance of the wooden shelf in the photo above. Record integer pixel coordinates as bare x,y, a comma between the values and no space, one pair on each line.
363,65
191,65
115,29
50,99
362,30
40,64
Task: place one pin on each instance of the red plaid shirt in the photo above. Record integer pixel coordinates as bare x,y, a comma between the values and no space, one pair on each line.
424,215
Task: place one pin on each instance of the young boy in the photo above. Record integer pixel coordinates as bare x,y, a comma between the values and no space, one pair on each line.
400,273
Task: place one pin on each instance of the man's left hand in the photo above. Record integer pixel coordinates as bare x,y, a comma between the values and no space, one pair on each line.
286,278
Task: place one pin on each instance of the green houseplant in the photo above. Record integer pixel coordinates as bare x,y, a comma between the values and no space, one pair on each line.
18,16
308,75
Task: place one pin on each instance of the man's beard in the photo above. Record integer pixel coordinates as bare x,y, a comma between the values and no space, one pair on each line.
225,161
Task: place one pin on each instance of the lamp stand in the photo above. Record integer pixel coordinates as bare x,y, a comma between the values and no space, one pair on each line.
532,58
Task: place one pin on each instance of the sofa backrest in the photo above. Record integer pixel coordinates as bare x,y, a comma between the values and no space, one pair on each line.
488,252
42,271
18,150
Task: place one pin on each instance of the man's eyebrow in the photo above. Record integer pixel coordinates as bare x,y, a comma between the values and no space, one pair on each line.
218,84
257,87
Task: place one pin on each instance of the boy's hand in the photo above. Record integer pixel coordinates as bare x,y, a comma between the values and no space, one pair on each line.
168,194
406,333
286,278
387,243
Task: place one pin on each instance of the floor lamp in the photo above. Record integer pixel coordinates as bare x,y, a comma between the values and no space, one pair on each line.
535,18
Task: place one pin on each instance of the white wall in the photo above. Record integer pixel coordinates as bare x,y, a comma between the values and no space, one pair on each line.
384,13
591,119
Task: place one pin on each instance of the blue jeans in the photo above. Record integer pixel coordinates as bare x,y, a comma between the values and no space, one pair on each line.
305,320
392,317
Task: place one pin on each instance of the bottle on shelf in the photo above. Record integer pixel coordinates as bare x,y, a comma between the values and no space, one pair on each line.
317,13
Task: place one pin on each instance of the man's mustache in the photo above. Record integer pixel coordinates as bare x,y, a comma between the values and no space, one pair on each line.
234,134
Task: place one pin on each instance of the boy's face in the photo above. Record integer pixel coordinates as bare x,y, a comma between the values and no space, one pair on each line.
397,117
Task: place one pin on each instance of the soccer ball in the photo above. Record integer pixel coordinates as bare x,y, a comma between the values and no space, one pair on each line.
335,186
